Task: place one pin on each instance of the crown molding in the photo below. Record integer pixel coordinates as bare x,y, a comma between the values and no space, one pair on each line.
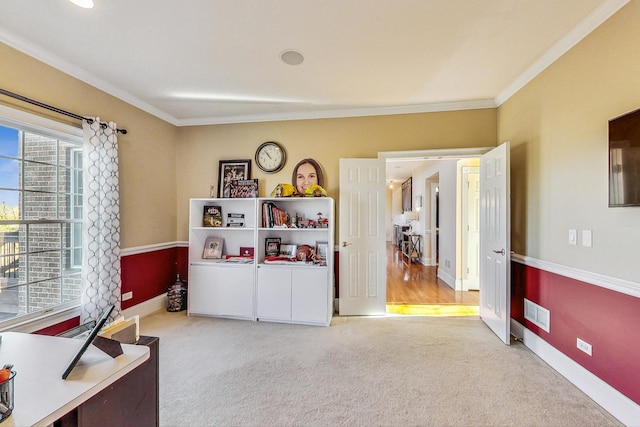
586,26
66,67
572,38
343,113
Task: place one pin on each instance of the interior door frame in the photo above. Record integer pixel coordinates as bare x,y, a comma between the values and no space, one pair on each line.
435,154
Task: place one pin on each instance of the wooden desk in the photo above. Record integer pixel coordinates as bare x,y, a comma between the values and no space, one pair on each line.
411,247
41,395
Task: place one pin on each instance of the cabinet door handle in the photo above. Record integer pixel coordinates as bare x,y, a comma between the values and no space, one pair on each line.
345,244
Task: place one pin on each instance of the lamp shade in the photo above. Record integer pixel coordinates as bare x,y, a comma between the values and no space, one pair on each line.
410,215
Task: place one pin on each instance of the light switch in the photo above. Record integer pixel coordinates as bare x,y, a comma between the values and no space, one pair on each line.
586,238
573,237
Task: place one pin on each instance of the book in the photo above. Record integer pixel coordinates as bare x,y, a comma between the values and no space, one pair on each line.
213,248
272,246
244,188
235,219
212,216
126,331
272,216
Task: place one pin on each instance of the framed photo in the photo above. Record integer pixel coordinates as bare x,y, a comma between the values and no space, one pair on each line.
322,252
407,188
230,170
272,246
288,250
213,248
246,251
243,188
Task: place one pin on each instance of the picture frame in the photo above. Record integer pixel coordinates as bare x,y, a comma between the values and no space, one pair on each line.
243,188
272,246
246,251
230,170
288,250
322,252
213,248
407,189
212,216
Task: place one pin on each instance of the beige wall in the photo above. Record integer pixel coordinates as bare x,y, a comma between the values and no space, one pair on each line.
147,152
200,148
557,126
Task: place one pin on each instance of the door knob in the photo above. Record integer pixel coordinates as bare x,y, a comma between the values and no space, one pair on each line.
345,244
502,252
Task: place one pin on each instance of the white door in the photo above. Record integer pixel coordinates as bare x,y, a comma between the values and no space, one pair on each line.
495,250
363,265
471,229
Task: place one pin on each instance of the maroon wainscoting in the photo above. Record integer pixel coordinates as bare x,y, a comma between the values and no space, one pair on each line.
148,274
605,319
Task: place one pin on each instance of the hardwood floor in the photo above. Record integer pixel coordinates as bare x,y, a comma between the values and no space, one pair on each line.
419,284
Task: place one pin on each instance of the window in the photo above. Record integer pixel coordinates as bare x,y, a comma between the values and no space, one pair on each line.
40,219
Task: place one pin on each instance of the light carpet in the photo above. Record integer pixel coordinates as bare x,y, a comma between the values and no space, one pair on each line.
378,371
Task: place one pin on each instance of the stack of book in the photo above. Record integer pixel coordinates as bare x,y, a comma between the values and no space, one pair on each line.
273,216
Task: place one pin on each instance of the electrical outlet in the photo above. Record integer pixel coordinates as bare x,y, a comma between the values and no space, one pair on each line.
127,296
587,238
583,346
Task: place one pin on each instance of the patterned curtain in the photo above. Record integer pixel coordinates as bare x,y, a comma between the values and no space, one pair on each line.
101,279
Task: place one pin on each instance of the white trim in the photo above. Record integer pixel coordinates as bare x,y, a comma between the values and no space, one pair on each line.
433,154
152,248
73,70
591,22
619,285
616,403
147,307
572,38
37,124
147,248
447,278
340,113
31,325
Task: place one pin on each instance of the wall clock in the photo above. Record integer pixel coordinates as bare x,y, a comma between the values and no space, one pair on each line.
270,157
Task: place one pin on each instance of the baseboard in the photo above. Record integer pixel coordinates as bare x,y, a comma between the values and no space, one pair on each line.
447,278
617,404
147,307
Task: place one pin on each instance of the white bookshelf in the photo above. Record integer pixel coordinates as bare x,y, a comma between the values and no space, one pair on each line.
291,292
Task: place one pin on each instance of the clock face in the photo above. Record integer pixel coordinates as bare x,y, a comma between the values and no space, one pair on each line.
270,157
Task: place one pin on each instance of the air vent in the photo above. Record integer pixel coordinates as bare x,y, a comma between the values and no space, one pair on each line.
537,315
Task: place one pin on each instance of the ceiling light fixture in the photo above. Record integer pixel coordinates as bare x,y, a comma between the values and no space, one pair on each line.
292,57
87,4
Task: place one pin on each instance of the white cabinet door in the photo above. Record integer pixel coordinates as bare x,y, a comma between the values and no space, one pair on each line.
274,293
309,295
221,291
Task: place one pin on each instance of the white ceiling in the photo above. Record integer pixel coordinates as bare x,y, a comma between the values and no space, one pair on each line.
195,62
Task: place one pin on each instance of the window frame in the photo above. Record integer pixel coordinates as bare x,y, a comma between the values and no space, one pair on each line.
28,122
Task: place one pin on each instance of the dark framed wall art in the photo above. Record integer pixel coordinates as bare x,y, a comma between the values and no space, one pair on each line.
229,171
406,195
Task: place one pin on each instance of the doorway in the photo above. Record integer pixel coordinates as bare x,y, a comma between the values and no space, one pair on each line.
436,279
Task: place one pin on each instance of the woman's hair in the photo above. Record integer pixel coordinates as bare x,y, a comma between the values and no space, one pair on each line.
316,166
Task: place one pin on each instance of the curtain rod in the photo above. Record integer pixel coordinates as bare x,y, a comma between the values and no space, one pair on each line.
54,109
